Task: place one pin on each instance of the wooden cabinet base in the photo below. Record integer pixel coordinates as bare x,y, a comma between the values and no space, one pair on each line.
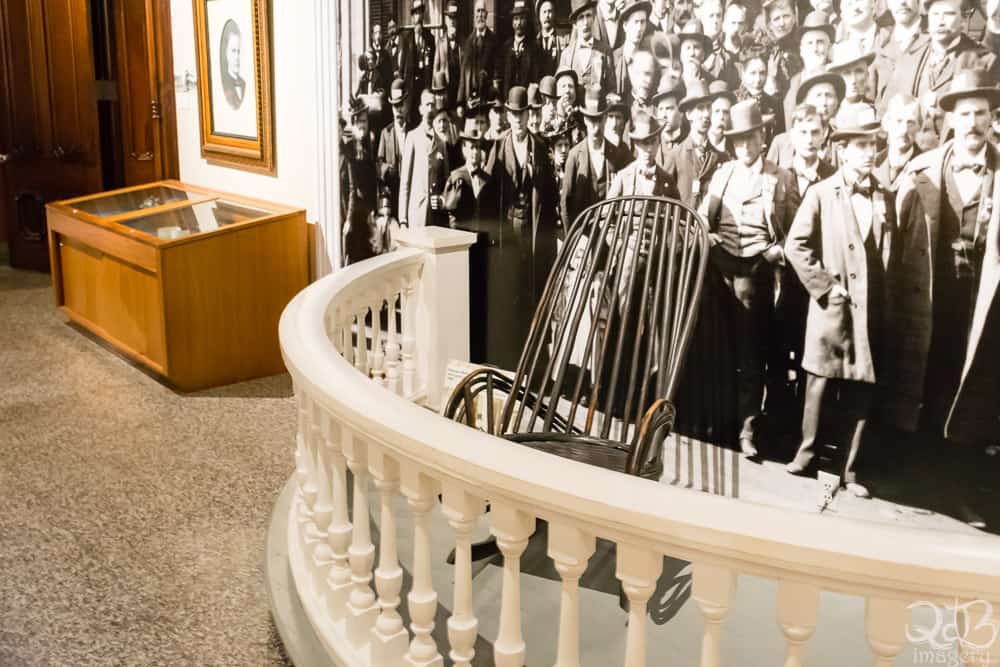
201,310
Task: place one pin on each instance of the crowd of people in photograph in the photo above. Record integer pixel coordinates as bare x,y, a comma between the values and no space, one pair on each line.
842,153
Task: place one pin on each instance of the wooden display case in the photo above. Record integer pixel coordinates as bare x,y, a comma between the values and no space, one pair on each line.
188,281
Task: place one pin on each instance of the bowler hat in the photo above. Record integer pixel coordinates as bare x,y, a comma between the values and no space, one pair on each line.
594,104
451,9
844,60
356,107
471,133
634,6
568,71
720,88
693,30
534,99
616,103
547,86
397,92
578,6
439,83
697,93
970,83
520,7
831,78
644,127
818,21
417,6
859,120
677,91
745,117
517,99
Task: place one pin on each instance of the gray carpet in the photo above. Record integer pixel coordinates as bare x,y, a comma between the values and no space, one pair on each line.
132,518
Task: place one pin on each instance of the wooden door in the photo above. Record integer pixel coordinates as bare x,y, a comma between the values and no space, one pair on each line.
49,134
144,69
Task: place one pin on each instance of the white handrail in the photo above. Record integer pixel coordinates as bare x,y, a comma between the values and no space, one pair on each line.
829,552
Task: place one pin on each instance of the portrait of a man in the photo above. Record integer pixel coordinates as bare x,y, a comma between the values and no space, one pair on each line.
229,64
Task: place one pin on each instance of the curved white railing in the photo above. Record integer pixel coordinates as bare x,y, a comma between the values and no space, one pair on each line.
359,411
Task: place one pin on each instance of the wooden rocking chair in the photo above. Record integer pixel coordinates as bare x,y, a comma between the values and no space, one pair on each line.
597,375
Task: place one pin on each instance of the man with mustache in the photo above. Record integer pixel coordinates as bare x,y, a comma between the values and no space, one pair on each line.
907,37
946,373
519,61
478,57
927,72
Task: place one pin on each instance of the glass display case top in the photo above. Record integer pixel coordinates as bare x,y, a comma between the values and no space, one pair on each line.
133,200
206,216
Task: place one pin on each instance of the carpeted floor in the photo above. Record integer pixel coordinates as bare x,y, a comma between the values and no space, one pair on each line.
132,518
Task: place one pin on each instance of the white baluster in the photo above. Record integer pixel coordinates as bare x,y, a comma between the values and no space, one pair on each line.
885,625
409,337
392,348
638,569
301,469
977,625
319,429
389,637
361,607
362,363
421,495
339,531
462,509
378,355
570,549
798,607
349,340
512,529
712,588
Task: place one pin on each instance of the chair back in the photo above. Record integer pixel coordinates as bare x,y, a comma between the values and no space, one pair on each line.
610,333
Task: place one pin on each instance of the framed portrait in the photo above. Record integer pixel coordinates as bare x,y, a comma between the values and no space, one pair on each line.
233,46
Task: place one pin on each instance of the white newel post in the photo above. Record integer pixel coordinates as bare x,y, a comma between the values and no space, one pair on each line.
512,529
798,608
442,312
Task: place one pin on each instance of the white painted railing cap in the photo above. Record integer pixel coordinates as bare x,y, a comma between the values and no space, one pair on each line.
438,240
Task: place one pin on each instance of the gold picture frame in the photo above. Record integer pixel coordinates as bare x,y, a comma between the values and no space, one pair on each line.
234,106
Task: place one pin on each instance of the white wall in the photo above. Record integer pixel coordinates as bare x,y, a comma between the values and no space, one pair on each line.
293,38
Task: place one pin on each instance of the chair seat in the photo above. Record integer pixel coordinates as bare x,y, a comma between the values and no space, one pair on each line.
594,451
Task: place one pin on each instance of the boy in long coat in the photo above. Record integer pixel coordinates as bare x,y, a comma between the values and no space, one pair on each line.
840,246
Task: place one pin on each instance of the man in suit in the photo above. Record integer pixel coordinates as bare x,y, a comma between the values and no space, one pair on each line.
840,245
907,38
859,30
447,55
478,57
607,28
470,194
927,72
944,371
694,46
722,107
587,56
416,58
823,92
900,122
855,69
948,200
520,163
362,184
414,178
691,164
749,207
666,105
592,164
518,62
633,26
391,52
383,62
643,176
390,144
815,39
550,45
